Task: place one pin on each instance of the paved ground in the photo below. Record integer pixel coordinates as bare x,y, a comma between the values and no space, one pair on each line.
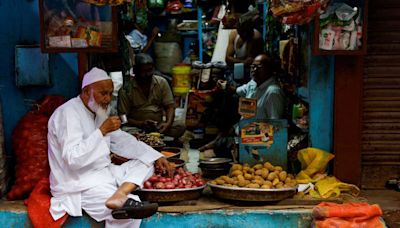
389,201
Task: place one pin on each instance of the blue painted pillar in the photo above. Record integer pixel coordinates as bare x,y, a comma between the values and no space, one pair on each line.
320,87
321,93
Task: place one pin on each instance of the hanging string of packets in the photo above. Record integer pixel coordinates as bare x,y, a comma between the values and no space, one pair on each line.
106,2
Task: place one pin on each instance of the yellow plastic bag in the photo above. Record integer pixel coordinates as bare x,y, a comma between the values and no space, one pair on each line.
313,163
332,187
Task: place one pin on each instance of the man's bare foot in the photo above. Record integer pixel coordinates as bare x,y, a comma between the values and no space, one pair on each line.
117,200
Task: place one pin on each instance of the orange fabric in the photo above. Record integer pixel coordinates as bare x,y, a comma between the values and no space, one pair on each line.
39,205
374,222
349,215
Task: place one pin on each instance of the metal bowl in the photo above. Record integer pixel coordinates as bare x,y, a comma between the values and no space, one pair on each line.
176,150
177,161
170,195
251,194
212,173
215,163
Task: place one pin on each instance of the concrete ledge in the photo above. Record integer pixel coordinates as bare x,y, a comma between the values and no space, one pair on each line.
14,214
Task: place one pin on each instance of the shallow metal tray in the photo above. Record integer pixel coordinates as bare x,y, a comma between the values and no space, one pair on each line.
251,194
170,195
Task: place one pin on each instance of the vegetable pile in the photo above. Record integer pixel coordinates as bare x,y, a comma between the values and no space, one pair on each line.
181,179
264,176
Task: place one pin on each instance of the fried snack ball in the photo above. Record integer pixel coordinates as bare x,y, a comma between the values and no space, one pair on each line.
278,168
241,183
240,178
257,181
279,185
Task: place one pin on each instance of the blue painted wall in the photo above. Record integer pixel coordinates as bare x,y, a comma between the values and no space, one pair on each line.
19,25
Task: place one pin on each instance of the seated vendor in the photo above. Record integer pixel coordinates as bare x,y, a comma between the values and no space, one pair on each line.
264,87
145,99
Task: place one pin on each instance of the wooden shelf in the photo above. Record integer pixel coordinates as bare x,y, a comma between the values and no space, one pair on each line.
109,41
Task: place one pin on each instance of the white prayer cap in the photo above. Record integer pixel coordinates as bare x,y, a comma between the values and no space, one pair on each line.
94,75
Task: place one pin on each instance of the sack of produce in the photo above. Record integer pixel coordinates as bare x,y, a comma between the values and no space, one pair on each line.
29,142
167,55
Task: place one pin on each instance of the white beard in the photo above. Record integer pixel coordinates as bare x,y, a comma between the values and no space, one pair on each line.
101,113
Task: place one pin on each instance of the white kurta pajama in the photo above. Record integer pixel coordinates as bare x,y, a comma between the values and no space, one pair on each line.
82,175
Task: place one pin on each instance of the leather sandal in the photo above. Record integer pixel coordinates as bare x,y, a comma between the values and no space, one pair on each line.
133,209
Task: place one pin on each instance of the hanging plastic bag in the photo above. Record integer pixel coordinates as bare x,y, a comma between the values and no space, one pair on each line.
313,164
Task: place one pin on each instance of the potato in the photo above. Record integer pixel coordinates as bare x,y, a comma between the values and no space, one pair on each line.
252,185
257,181
282,175
247,182
268,182
220,181
279,185
242,183
240,178
235,182
264,173
236,167
258,166
275,181
278,168
224,178
251,171
227,185
248,176
234,178
272,176
269,166
266,186
245,169
236,173
213,182
287,180
258,172
258,178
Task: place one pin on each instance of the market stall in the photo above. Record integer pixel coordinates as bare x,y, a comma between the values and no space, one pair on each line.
270,166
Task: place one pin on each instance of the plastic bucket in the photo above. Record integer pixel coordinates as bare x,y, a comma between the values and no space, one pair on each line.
181,81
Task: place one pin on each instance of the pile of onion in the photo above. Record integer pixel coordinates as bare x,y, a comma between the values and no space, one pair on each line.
181,179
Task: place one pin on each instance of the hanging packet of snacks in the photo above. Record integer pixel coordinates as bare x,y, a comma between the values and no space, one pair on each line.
296,12
105,2
341,28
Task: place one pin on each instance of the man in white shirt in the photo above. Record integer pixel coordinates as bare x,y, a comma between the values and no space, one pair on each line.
265,88
80,138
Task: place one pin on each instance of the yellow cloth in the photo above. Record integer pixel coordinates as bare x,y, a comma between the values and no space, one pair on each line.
332,187
313,164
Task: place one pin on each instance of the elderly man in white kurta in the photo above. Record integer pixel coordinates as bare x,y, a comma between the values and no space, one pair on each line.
80,138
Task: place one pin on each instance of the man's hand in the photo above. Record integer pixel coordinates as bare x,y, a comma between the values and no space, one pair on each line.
163,165
110,124
163,127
